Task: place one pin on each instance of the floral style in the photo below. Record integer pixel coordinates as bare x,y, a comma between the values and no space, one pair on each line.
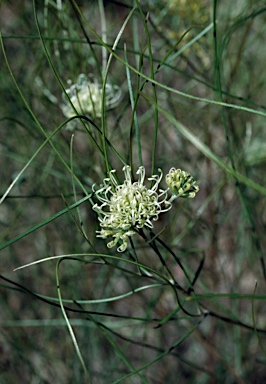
86,97
127,207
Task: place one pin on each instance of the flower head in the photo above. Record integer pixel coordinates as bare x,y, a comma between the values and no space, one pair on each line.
129,206
181,183
86,96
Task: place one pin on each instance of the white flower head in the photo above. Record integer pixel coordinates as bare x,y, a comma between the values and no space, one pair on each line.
129,206
181,183
86,96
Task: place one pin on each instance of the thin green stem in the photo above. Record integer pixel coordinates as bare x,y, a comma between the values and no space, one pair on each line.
70,329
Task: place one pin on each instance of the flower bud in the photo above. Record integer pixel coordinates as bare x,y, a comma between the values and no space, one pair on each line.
181,183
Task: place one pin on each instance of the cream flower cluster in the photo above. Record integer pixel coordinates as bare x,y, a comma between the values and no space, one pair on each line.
127,207
86,96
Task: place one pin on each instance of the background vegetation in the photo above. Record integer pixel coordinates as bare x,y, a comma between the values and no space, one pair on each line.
192,75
